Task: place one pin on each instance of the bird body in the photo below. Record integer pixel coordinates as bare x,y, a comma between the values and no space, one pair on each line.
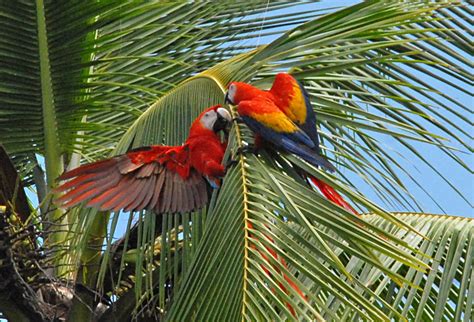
289,96
159,178
292,99
284,117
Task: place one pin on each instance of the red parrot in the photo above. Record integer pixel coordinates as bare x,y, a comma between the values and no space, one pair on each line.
283,262
159,178
284,117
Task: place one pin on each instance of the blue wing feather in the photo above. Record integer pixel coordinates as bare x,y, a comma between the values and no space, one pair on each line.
307,154
272,135
309,127
290,142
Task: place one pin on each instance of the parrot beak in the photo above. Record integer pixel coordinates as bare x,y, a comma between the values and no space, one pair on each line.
227,99
223,119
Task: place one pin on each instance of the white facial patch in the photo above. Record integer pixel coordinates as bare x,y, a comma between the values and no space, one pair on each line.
208,119
231,92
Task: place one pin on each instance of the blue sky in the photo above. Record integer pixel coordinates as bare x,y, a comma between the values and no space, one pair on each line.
450,202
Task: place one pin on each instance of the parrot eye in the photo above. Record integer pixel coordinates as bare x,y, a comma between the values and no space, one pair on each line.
208,119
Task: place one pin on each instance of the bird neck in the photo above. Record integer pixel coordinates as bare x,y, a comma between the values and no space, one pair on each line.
247,92
198,130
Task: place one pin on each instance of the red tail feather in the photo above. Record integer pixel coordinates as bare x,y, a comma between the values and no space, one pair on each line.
332,195
283,262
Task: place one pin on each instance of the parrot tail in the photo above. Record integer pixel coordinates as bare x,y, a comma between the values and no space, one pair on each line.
283,262
331,194
308,154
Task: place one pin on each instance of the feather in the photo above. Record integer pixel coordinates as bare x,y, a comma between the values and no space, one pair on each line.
75,182
273,136
190,192
125,165
194,190
201,188
146,170
156,200
89,168
133,191
92,190
167,191
117,194
185,202
177,195
137,195
309,126
147,194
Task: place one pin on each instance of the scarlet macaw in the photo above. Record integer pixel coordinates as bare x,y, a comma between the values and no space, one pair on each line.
284,117
159,178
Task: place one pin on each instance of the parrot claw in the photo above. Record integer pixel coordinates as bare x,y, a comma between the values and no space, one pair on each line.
237,119
233,160
247,148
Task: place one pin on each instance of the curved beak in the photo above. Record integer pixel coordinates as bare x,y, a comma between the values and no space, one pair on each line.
223,119
226,99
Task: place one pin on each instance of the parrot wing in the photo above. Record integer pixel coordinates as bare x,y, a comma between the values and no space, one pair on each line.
286,143
265,118
295,103
309,126
275,127
156,178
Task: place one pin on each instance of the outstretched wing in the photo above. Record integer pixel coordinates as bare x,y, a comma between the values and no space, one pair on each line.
156,178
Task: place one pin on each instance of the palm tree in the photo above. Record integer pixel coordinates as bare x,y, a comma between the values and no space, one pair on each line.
82,80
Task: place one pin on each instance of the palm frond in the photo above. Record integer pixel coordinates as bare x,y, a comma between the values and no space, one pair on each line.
258,63
304,228
445,292
369,69
105,64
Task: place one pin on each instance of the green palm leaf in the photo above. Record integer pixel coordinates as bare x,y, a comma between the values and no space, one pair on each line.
261,295
142,72
446,291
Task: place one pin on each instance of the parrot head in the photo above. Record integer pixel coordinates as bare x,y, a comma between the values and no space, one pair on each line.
215,119
238,91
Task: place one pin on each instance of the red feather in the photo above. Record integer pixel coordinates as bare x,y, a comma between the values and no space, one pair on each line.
331,194
283,262
159,178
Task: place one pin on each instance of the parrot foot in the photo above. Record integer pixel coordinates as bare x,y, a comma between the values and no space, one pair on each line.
231,162
246,149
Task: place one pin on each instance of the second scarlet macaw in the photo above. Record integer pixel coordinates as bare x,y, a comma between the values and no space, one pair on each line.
284,117
159,178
